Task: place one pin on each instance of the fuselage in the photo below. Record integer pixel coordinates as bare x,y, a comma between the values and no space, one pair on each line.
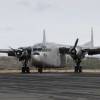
48,56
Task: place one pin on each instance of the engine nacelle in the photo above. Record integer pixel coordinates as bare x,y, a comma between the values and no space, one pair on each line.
93,51
11,53
63,50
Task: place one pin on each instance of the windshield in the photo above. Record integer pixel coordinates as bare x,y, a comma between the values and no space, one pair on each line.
41,49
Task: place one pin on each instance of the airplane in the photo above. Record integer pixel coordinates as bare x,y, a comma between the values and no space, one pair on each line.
52,55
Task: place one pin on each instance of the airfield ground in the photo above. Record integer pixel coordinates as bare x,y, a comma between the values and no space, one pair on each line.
50,86
52,70
53,84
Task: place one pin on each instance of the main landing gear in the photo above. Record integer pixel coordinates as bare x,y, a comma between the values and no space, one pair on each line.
25,69
78,68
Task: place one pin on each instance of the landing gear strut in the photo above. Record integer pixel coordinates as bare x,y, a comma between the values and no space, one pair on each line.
25,69
78,68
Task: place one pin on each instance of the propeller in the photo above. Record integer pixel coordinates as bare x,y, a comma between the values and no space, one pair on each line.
15,52
73,49
77,54
12,49
76,42
24,53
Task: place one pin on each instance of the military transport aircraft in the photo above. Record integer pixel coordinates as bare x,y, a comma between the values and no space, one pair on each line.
47,55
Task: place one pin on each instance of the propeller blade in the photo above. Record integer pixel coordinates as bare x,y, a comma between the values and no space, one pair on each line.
17,52
12,49
76,42
73,49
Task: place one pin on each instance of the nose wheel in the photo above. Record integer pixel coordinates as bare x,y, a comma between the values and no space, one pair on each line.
40,69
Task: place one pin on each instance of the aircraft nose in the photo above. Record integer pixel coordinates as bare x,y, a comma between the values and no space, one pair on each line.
36,57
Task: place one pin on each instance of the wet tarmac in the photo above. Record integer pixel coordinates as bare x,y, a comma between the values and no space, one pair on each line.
50,86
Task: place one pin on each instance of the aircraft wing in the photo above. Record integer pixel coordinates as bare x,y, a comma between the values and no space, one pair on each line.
10,52
16,52
93,51
4,50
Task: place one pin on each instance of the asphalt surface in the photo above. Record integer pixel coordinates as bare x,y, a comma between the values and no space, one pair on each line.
50,86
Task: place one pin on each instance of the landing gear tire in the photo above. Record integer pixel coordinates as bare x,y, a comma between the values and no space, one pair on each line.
40,70
25,70
78,69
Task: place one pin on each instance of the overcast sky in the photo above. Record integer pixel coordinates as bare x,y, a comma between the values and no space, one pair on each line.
22,21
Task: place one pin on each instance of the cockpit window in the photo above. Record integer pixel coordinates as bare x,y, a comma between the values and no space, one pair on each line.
42,49
37,49
46,50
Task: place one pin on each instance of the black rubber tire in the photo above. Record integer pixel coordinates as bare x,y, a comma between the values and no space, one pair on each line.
80,69
40,70
23,69
27,70
76,69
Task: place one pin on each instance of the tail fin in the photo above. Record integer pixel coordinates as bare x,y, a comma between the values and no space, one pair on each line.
44,39
92,39
90,44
